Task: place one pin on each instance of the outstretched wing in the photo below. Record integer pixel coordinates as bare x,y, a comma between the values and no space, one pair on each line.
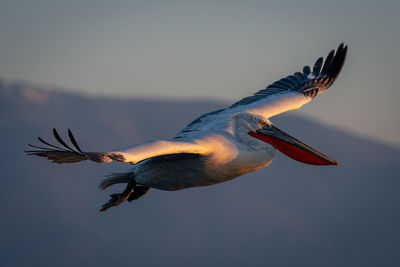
67,154
286,94
297,89
73,153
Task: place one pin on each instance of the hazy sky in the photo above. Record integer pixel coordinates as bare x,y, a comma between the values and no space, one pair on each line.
222,50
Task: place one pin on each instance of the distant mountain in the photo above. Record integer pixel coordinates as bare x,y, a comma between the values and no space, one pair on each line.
288,214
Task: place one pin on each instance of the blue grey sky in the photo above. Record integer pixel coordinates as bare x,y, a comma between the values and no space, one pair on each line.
221,50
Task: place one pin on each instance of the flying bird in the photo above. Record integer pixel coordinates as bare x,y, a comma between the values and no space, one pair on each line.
217,146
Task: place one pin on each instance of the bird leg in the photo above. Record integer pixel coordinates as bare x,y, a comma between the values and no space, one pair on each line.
138,191
117,199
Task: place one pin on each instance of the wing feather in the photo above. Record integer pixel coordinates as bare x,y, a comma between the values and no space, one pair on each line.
307,81
134,154
66,154
285,94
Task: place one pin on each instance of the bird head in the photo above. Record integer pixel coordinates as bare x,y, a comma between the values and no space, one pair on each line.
246,122
243,123
262,129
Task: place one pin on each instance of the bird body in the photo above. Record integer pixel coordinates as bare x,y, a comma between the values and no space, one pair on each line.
217,146
225,159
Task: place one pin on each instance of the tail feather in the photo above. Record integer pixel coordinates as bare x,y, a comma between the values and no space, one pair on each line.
115,178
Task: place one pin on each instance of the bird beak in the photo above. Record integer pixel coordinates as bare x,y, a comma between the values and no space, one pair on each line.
291,147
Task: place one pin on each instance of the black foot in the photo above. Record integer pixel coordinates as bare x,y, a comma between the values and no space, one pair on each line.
117,199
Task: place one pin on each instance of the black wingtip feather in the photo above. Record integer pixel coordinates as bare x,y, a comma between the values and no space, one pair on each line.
59,139
46,143
58,154
39,147
52,147
337,61
331,68
328,62
306,70
317,66
71,137
341,62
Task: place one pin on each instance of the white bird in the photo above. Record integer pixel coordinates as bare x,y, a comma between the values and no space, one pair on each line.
217,146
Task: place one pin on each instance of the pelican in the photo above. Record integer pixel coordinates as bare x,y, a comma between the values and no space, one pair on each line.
217,146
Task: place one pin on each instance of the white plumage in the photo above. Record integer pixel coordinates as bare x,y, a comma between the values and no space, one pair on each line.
217,146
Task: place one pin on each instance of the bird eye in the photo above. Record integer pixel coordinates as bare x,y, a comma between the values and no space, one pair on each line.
262,123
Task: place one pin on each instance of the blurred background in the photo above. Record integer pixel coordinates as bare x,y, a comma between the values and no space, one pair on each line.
122,72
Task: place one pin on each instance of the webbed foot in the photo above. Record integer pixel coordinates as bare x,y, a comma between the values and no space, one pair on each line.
118,199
